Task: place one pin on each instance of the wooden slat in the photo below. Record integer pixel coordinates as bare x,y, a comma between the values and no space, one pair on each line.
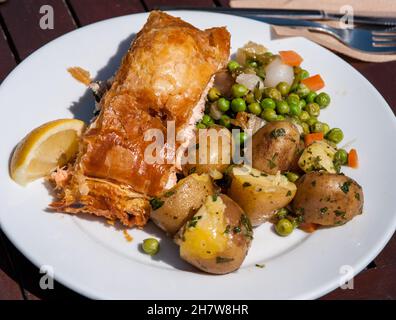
89,11
152,4
9,287
378,283
22,20
388,255
7,61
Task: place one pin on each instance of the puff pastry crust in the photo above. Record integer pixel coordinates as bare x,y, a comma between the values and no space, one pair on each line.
163,76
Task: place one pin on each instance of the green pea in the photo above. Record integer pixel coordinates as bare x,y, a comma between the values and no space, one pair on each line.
284,227
326,128
242,137
302,90
282,107
151,246
223,104
207,120
311,121
239,90
292,177
269,114
341,156
323,100
313,109
304,116
305,127
254,108
279,117
303,74
200,125
233,65
268,103
293,98
295,109
273,93
250,98
283,88
317,127
214,94
335,135
238,105
282,213
252,64
302,103
311,97
225,121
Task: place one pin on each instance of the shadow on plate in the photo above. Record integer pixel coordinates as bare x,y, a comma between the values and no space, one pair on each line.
84,107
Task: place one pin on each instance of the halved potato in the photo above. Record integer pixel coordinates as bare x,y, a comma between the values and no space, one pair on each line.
318,156
260,194
217,238
176,206
213,153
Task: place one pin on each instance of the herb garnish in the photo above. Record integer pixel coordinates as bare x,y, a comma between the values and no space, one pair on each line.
169,193
223,260
345,187
246,184
156,203
288,194
276,133
193,222
260,265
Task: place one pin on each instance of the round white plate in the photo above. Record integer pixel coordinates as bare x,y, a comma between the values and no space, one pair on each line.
94,258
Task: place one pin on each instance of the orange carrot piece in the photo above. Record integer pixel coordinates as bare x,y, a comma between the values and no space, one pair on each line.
314,83
308,227
311,137
353,160
290,58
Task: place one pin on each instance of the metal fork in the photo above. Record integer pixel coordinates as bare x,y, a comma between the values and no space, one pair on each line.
373,41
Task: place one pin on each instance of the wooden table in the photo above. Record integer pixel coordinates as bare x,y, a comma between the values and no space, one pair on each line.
21,35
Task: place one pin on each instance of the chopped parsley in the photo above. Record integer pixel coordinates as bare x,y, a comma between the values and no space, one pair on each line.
340,213
276,133
247,225
156,203
323,210
223,260
193,222
357,196
236,229
271,162
246,184
215,196
260,265
169,193
227,229
288,194
345,187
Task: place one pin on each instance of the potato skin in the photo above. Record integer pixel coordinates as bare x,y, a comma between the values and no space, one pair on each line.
214,160
238,242
327,199
260,195
275,146
181,203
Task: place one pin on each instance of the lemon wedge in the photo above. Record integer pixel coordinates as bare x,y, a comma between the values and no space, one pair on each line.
44,149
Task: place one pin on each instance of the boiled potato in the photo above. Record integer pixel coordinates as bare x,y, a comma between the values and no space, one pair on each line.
179,204
217,238
213,154
318,156
275,146
260,195
327,199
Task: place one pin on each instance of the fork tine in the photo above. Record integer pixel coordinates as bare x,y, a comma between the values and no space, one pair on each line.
384,39
385,48
384,33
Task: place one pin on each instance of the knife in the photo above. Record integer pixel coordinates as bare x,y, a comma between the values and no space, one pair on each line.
292,14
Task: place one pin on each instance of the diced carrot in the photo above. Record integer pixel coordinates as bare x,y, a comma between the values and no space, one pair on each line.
311,137
353,160
308,227
290,58
314,83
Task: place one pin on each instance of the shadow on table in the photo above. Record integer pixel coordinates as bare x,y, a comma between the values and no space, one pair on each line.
83,108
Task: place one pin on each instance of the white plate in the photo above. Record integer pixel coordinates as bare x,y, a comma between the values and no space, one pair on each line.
95,260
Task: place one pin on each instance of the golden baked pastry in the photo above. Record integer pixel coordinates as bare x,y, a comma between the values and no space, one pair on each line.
164,76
